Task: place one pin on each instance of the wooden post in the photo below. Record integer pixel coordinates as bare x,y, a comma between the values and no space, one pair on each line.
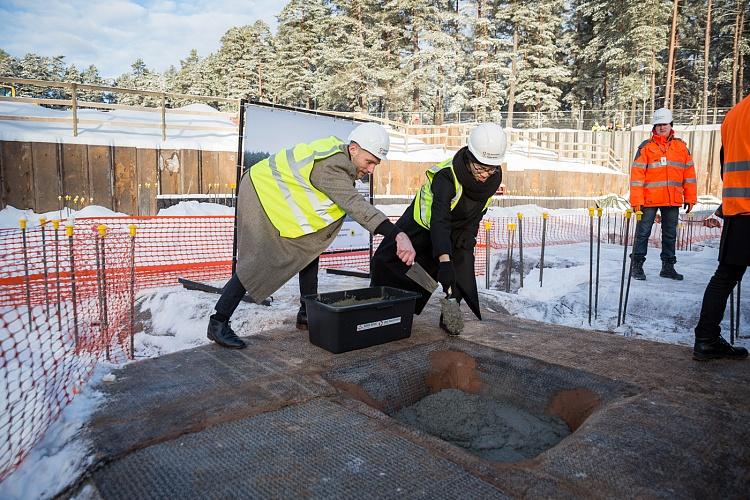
670,64
163,118
74,98
706,49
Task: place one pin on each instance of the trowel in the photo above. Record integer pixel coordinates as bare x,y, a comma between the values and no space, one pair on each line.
453,320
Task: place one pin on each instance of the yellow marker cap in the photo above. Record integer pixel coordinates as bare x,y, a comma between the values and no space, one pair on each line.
131,229
628,213
22,223
638,215
42,220
55,224
512,226
102,230
599,211
488,224
69,230
545,215
520,215
591,211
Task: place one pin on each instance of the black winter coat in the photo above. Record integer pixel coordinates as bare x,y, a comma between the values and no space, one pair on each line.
452,232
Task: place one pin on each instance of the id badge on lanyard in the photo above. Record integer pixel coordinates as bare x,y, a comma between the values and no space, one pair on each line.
663,161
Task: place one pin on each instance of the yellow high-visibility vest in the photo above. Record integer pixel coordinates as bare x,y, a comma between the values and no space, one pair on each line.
293,205
423,201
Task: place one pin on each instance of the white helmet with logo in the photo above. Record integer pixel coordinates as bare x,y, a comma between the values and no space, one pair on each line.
661,116
487,143
372,138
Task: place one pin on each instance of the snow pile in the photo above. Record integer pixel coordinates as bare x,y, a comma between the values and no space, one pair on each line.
197,208
9,216
121,127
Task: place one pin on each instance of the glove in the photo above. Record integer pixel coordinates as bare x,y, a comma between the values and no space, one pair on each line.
636,208
446,276
688,207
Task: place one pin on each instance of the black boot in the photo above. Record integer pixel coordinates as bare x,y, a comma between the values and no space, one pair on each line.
717,348
667,271
221,333
302,319
637,273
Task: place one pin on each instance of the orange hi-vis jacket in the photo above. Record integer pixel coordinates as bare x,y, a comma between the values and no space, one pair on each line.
735,137
663,174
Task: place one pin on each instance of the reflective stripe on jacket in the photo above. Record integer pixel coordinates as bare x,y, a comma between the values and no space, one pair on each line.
423,201
291,202
735,137
663,183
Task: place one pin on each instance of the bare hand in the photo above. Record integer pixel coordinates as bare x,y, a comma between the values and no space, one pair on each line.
404,249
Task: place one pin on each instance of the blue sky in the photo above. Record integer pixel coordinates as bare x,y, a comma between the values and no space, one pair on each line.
113,34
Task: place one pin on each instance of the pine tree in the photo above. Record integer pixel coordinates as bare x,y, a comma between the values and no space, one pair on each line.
243,62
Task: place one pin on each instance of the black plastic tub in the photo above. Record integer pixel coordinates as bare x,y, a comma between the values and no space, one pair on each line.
354,319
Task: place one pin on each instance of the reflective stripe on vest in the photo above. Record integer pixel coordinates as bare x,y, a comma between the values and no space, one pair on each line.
293,205
423,202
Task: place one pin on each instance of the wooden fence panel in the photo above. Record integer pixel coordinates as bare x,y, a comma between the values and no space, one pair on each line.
18,174
147,182
125,181
75,172
209,171
100,175
170,170
189,179
46,176
227,171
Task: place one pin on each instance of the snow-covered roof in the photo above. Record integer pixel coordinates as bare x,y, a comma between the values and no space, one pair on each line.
145,131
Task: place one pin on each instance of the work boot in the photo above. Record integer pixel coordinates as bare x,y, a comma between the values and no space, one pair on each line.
705,349
667,271
637,272
302,319
222,334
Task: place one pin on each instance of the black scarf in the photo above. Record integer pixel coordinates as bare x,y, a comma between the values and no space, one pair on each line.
474,189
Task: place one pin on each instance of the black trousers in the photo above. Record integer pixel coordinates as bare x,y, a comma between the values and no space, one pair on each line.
233,291
715,300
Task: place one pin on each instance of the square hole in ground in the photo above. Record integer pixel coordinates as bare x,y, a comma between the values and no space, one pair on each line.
500,406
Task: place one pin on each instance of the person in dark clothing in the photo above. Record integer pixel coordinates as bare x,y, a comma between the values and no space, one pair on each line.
443,219
734,249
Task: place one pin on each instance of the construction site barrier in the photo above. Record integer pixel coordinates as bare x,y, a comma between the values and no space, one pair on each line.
67,294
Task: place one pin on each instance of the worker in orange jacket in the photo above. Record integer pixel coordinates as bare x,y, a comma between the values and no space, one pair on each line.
662,178
734,250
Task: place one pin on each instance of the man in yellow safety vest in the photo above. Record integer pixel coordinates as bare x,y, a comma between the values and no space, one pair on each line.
290,208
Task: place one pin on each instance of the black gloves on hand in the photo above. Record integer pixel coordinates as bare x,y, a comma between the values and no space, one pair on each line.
446,275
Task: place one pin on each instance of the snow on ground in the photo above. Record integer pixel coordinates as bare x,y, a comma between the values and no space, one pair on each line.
196,208
121,127
659,309
63,453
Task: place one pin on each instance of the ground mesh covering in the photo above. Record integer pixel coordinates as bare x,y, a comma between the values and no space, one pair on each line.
297,451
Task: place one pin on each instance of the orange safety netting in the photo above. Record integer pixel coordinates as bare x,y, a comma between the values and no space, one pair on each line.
66,302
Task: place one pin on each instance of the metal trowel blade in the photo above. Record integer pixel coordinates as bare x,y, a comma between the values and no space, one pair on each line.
417,274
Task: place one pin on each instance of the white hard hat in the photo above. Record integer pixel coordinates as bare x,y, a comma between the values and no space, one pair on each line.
372,138
662,115
487,143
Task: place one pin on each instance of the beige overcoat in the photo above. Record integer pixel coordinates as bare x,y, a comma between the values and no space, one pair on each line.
265,259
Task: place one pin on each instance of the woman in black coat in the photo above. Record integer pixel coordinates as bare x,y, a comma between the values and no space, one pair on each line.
443,220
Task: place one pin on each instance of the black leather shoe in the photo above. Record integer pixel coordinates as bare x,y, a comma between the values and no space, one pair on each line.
302,319
222,334
667,271
716,349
